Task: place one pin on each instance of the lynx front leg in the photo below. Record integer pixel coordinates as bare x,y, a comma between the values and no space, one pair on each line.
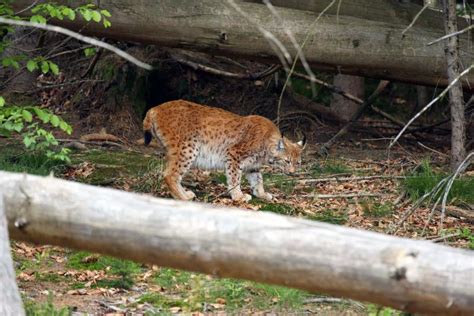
234,175
177,166
255,180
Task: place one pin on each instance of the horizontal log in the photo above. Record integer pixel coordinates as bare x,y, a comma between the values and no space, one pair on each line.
364,38
415,276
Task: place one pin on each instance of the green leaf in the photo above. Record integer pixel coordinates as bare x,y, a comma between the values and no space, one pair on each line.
54,68
38,19
27,116
44,67
107,23
28,141
2,102
105,13
55,120
32,65
96,16
42,115
69,13
89,51
87,15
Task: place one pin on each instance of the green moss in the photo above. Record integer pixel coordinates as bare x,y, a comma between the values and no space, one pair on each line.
330,216
329,167
375,209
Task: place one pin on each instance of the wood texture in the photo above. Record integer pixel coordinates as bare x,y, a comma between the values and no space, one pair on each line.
363,38
409,275
10,300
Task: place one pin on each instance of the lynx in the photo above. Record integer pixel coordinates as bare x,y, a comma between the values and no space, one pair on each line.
209,138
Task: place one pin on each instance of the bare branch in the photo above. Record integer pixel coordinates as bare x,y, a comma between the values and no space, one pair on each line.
79,37
451,35
414,19
442,94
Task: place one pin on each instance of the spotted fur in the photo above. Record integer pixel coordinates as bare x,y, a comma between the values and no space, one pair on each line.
209,138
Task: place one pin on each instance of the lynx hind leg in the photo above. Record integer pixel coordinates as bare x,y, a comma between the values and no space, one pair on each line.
178,163
233,174
255,180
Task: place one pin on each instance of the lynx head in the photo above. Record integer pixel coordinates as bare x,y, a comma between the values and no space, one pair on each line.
287,154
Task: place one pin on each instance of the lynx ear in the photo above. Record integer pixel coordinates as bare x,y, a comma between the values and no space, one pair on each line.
281,145
302,143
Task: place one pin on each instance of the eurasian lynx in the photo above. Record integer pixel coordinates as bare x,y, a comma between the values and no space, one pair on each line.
210,138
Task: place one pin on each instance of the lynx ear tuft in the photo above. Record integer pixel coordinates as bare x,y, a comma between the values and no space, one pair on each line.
281,145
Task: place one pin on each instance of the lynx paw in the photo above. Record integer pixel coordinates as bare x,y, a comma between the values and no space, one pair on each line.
189,195
265,196
242,197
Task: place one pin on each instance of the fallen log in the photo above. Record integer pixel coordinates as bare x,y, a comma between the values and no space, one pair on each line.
362,38
10,300
415,276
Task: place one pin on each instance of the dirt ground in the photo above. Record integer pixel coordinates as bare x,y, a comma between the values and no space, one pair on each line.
359,184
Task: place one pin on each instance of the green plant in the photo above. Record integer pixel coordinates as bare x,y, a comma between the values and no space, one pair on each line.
424,179
30,122
125,269
467,234
330,216
44,309
376,209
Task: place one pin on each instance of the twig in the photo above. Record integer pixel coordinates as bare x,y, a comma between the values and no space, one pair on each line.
460,169
79,37
27,8
442,94
331,87
382,85
93,63
280,50
214,71
346,195
414,19
433,150
442,238
470,27
340,179
308,34
59,85
294,42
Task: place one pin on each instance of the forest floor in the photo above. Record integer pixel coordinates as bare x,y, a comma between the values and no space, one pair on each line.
359,186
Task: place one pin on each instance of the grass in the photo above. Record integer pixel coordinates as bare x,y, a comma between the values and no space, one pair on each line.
425,179
44,309
16,159
278,208
373,208
337,217
124,270
192,292
329,167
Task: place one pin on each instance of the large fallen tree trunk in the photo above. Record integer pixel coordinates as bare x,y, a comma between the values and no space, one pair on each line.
410,275
363,38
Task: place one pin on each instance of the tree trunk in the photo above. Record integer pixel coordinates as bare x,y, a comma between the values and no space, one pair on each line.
363,39
416,276
23,42
456,100
10,300
341,106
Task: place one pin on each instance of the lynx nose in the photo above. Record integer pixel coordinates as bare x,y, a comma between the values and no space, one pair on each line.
290,170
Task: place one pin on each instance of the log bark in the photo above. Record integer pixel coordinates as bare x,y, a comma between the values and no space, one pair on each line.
363,39
410,275
10,300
